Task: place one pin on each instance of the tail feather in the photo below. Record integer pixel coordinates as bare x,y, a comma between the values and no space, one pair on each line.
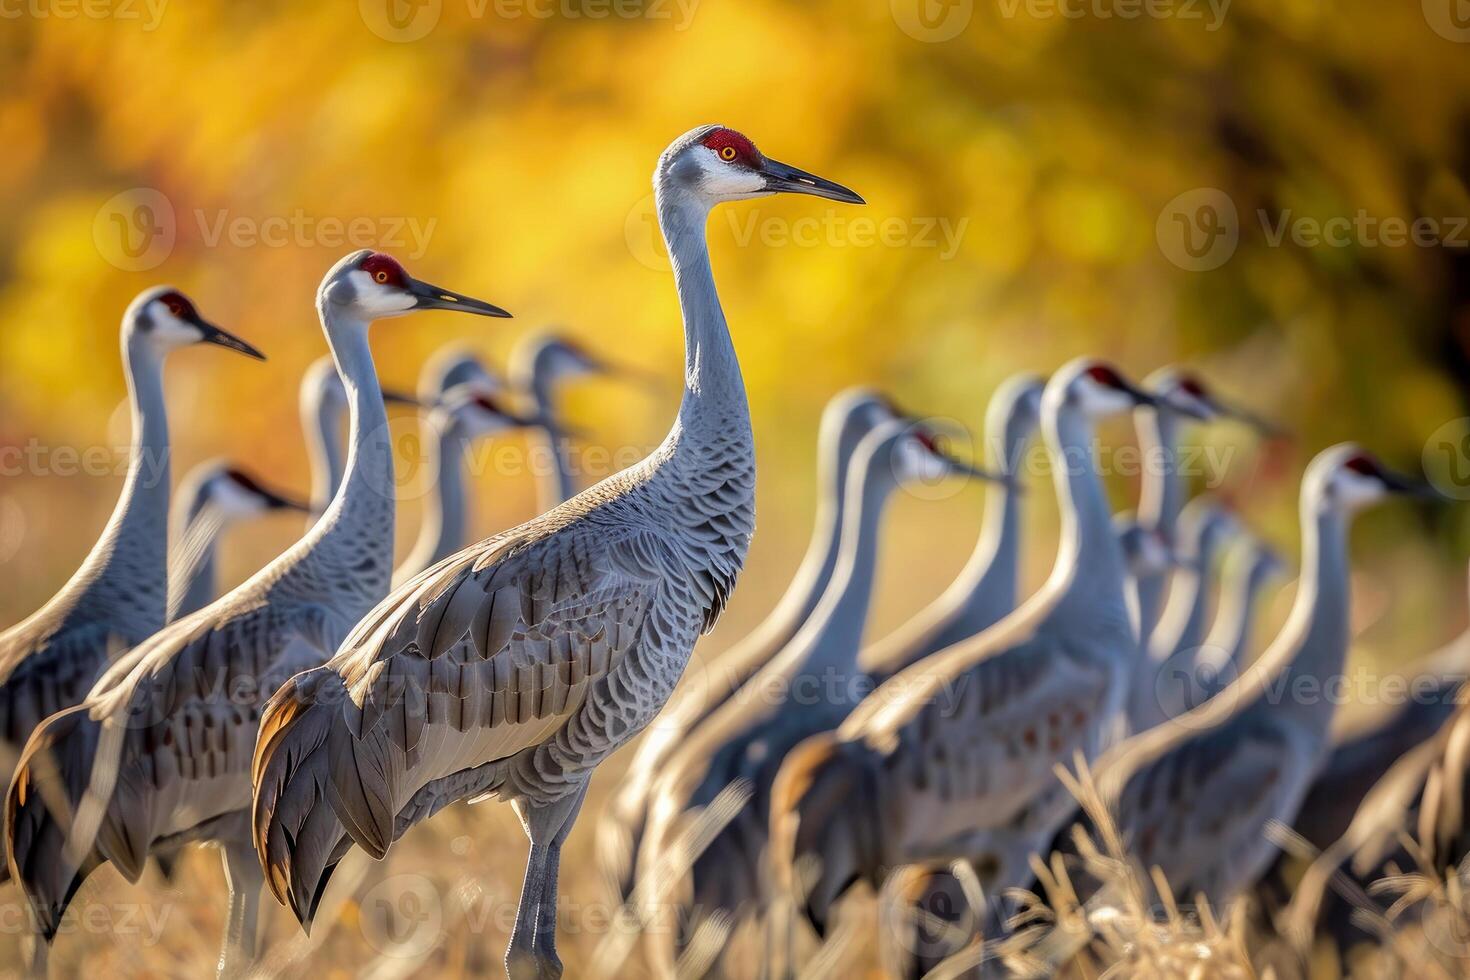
317,790
50,782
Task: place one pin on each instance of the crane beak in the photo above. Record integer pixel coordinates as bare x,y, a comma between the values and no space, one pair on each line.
393,397
963,468
782,178
430,297
1147,398
1263,426
280,501
1409,486
223,338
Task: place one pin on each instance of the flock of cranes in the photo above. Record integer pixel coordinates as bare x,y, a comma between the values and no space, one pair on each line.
332,701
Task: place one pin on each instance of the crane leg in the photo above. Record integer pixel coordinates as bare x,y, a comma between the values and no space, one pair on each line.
532,952
245,878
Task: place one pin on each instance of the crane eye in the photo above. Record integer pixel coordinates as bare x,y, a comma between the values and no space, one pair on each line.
727,153
381,275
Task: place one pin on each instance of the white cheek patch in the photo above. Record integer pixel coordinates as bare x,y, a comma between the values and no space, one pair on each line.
917,464
1099,402
376,299
235,501
169,329
1353,490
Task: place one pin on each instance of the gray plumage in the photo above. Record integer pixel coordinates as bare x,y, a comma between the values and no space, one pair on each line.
847,419
158,754
539,366
514,668
118,597
1163,687
953,758
323,418
458,420
808,687
1194,795
985,590
212,497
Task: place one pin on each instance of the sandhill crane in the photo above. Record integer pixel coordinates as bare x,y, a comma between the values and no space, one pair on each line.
158,754
953,757
1249,566
848,417
540,364
119,595
928,912
212,496
1145,552
1425,793
985,589
462,417
450,367
1173,647
516,667
323,407
1194,795
806,688
1164,489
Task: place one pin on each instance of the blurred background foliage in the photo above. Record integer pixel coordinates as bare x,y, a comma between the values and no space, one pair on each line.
522,137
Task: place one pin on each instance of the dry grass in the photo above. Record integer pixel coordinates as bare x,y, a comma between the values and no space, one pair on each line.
443,902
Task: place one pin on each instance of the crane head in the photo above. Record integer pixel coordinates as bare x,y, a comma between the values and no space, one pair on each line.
167,320
453,366
373,286
1093,388
241,493
718,164
1346,478
477,414
1187,394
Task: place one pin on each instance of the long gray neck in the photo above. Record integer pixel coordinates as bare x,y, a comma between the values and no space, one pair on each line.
192,582
985,590
557,484
832,637
1317,630
714,391
322,428
1183,624
443,530
1161,498
704,472
817,566
1089,573
127,569
1235,620
347,558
